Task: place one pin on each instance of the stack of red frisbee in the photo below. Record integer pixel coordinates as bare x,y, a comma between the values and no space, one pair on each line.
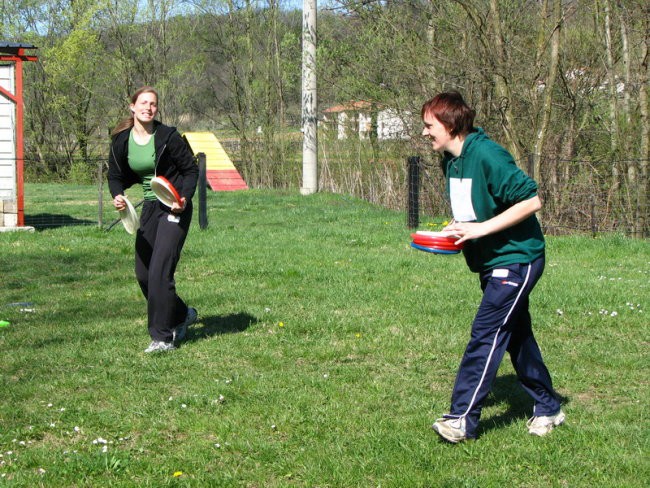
435,242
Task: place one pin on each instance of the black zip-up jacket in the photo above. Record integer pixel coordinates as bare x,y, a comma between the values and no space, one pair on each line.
174,161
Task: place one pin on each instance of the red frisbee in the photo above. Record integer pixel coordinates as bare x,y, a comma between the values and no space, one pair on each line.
437,243
436,246
437,240
424,237
165,191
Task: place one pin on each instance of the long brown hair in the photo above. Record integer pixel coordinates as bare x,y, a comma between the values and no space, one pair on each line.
127,123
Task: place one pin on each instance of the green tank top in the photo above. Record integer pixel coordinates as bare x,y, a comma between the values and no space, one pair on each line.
142,160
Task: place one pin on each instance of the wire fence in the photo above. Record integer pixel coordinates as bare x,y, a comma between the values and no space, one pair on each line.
580,197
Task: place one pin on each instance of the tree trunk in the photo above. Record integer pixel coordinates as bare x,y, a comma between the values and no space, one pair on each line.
547,104
642,228
625,57
613,105
501,83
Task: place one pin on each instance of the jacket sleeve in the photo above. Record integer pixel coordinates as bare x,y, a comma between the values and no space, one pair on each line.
120,175
115,180
508,183
184,161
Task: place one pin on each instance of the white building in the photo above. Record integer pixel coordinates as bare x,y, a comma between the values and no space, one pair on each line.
355,118
7,150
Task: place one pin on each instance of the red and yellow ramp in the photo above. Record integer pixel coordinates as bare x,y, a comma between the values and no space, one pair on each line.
221,173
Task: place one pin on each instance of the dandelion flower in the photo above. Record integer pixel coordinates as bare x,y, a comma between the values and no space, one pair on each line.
178,474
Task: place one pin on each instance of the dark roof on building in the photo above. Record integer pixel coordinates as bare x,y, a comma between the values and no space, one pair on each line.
14,47
17,45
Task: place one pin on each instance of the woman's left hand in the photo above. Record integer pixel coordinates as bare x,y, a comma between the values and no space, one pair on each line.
467,230
176,208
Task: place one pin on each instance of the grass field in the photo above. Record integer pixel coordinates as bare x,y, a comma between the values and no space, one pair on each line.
325,349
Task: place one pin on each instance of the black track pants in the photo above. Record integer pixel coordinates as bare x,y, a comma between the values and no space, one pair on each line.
158,246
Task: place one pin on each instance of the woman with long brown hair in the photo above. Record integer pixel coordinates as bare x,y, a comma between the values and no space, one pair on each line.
141,148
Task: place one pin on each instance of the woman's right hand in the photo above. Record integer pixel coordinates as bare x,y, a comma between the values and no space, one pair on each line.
119,203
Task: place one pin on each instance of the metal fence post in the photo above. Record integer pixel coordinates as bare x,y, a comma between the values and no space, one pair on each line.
414,191
203,211
100,178
594,224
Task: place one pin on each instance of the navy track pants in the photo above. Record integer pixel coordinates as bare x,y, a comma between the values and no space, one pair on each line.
502,324
158,246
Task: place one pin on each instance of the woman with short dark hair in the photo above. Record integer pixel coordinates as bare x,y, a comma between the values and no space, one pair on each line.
494,205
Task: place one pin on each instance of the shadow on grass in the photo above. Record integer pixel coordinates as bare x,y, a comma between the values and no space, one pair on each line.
51,221
506,389
217,325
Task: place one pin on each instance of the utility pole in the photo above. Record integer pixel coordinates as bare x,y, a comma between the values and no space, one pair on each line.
309,101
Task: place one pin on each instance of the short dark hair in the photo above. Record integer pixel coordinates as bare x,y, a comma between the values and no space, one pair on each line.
452,112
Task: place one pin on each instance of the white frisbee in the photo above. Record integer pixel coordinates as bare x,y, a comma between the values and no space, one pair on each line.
443,233
129,217
165,191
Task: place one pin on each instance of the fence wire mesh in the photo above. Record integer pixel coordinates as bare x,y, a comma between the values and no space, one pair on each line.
580,197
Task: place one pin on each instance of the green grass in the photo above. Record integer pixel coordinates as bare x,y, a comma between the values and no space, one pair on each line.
325,349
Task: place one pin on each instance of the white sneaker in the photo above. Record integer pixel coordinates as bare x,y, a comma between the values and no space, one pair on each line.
541,426
451,430
181,329
160,346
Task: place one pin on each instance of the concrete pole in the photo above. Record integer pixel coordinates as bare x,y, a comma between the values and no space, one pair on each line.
309,100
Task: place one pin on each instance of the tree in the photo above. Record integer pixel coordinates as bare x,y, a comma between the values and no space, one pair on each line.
66,113
549,86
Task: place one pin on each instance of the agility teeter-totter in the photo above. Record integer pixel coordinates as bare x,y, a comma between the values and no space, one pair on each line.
220,171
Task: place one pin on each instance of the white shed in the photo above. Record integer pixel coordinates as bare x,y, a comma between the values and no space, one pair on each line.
7,136
12,56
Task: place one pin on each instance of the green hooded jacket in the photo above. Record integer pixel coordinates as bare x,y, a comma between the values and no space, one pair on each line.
481,183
